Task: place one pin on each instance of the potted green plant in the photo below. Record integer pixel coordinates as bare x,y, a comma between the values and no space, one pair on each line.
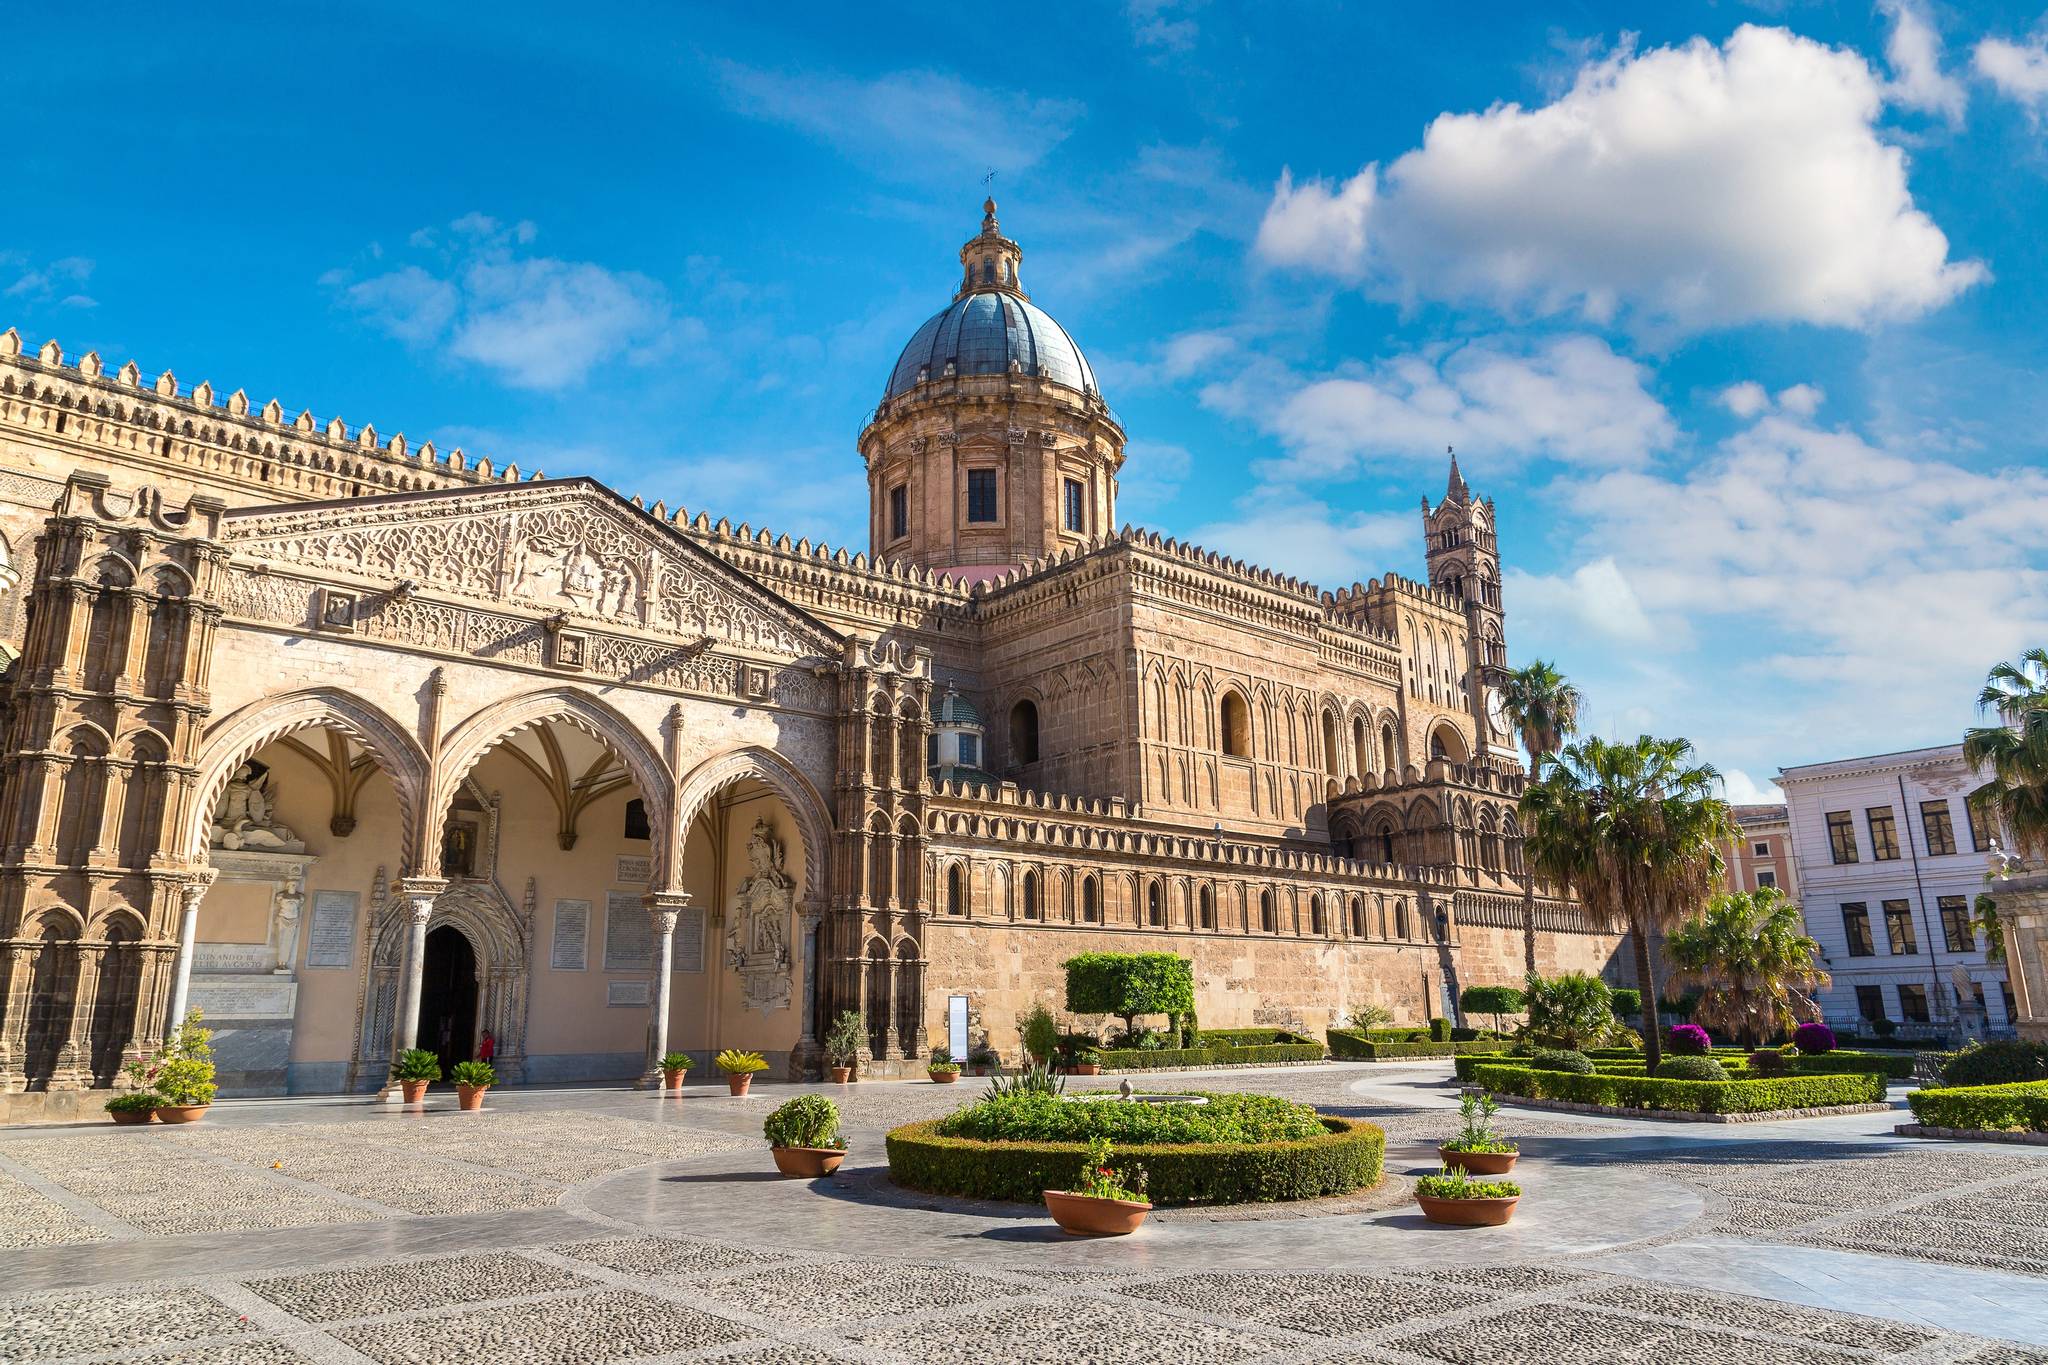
843,1042
1103,1202
1039,1031
414,1069
1087,1062
133,1106
803,1136
941,1067
1478,1149
983,1059
673,1065
739,1068
471,1080
183,1075
1452,1196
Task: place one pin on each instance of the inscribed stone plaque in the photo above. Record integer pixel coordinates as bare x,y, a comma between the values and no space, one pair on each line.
635,867
571,950
331,937
628,992
628,933
690,939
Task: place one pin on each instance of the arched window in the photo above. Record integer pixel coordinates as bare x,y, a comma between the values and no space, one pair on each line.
1155,906
1266,911
1401,919
1361,751
1234,725
1208,907
1030,894
1091,901
1357,917
956,891
1333,756
1392,765
1446,743
1315,914
1024,732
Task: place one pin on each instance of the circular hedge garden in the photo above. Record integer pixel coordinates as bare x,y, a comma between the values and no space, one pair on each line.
1235,1149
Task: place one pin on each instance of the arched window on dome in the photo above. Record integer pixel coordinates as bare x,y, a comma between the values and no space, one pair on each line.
1024,732
1234,725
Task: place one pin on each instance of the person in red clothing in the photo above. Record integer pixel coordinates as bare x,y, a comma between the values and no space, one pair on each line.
488,1048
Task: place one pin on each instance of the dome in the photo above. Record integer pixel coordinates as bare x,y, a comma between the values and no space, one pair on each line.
981,333
954,709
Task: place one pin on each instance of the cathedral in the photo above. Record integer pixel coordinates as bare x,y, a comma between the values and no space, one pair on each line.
357,744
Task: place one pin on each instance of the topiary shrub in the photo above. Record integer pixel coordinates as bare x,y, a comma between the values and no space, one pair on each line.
1493,1000
1691,1068
1688,1040
2002,1063
1561,1059
1814,1038
1628,1002
1767,1061
1130,984
1440,1030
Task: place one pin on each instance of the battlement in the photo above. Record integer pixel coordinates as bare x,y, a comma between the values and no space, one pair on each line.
1360,598
222,437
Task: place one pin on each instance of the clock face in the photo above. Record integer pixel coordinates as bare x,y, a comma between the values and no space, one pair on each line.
1497,715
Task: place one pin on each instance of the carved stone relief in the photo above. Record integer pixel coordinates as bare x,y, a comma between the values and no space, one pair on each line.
757,936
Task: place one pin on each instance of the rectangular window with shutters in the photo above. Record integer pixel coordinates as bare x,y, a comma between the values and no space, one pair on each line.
1884,834
1074,506
1856,929
1980,832
1898,928
1913,1004
899,512
1842,836
981,495
1870,1001
1940,830
1955,924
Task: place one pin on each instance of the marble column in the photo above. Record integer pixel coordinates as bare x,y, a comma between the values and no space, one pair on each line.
419,894
189,895
807,939
664,906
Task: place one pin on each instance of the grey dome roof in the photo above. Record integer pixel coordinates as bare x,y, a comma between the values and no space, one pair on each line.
955,709
981,334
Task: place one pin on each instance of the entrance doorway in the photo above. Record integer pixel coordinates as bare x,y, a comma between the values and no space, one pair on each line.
448,997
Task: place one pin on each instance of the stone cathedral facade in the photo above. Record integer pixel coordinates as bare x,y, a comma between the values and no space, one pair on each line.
353,743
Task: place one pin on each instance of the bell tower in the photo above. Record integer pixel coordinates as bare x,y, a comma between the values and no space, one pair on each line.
1463,554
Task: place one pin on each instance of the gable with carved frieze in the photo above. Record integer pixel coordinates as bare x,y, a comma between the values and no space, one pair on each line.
562,546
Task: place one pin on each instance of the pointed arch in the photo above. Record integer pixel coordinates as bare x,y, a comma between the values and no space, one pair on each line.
780,776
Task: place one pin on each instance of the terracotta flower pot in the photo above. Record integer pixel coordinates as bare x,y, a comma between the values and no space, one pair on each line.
1468,1213
1086,1068
840,1074
807,1163
1478,1163
180,1113
130,1115
1086,1216
469,1096
414,1091
673,1080
943,1077
738,1082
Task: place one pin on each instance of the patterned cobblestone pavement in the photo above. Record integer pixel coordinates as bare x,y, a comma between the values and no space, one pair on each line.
717,1265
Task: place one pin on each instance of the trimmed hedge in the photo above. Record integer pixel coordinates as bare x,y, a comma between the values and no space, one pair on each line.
1698,1097
2020,1105
1897,1067
1250,1037
1355,1046
1348,1156
1148,1059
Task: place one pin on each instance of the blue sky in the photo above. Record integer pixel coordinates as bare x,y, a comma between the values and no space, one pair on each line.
1735,310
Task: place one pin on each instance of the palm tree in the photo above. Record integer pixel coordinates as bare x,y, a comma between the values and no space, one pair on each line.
1542,709
1635,829
1750,959
2015,751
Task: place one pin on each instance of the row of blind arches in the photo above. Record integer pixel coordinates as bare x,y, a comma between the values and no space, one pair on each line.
1356,916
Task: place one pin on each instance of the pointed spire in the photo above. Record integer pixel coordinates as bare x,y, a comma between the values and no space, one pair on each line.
1456,490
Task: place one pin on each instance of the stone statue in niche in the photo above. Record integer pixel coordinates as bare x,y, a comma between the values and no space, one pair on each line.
291,899
245,815
757,938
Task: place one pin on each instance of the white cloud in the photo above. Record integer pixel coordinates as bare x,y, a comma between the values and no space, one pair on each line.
537,322
1686,188
1746,399
1802,400
1151,477
908,125
58,281
2019,71
1309,539
1595,597
1162,26
1569,398
1914,52
1744,790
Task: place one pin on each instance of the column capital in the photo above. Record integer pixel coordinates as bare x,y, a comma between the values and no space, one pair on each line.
420,894
666,902
195,886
